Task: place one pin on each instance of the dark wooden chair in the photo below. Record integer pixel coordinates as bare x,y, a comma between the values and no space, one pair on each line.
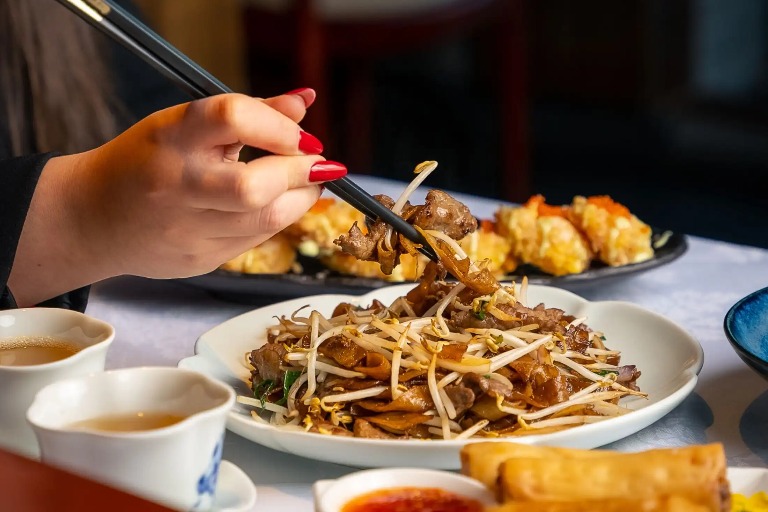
311,39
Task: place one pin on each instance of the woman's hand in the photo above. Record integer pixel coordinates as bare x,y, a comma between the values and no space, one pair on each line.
168,197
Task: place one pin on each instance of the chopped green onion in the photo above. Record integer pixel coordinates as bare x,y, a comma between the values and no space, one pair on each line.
262,390
288,379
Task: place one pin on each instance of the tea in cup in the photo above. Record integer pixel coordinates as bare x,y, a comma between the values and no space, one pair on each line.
156,432
37,347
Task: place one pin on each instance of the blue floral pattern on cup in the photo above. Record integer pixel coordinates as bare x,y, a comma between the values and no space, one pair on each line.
206,484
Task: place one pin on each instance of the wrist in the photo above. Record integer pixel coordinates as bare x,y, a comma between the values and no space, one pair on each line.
55,254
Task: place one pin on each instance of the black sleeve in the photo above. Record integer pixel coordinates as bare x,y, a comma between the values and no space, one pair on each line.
18,179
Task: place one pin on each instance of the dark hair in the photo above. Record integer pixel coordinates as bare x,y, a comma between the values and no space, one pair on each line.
55,87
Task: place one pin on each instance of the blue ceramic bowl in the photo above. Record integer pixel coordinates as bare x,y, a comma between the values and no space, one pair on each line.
746,326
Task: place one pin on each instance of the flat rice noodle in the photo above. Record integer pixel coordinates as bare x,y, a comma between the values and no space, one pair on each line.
527,398
363,428
319,425
524,366
388,260
416,399
341,385
549,386
453,351
577,338
482,281
419,432
410,247
376,366
409,375
342,350
421,296
397,421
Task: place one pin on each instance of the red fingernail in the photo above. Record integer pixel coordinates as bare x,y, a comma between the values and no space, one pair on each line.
306,94
327,171
309,144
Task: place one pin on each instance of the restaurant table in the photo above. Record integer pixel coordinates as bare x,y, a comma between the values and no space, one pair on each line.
28,486
157,323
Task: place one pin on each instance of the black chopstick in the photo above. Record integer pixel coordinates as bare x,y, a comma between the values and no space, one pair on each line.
126,29
133,28
93,13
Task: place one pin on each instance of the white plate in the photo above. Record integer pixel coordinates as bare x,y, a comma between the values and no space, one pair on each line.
667,356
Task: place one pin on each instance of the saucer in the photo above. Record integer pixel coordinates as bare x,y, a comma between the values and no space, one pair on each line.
235,492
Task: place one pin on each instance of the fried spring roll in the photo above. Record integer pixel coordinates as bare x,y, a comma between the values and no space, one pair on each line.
482,460
672,503
696,473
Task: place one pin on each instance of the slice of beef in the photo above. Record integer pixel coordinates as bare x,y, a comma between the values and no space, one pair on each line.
441,212
461,397
266,361
363,428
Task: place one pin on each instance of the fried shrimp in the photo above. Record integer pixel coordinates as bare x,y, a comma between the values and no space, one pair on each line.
315,231
615,235
486,244
542,235
275,256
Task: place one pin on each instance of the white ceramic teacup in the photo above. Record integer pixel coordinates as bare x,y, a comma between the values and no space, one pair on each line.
176,465
19,384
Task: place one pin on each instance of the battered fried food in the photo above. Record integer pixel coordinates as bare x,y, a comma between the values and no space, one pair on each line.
542,235
485,244
275,256
409,269
313,234
696,473
616,236
551,479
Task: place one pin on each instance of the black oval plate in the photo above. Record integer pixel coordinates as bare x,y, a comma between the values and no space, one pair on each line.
268,288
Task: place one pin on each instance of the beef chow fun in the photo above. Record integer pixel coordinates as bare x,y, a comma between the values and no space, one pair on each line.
448,360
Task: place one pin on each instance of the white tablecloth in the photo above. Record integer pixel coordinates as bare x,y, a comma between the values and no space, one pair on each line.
157,323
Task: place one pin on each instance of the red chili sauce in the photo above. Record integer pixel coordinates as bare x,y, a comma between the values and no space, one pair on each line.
412,499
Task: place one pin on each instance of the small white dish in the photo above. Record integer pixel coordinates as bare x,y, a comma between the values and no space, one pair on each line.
748,481
235,492
668,357
332,495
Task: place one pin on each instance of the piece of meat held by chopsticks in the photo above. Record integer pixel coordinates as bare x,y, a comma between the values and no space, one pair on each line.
552,479
441,215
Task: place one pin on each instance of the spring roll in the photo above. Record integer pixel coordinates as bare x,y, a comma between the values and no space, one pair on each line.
482,460
672,503
696,473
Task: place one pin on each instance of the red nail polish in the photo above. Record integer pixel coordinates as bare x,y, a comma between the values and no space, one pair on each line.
305,93
309,144
327,171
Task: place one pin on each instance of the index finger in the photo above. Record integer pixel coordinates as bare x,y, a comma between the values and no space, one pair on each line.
231,119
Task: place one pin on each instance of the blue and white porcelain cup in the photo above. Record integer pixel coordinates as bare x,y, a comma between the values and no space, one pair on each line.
176,465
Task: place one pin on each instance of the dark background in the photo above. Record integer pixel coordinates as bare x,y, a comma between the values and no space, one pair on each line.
661,104
662,107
